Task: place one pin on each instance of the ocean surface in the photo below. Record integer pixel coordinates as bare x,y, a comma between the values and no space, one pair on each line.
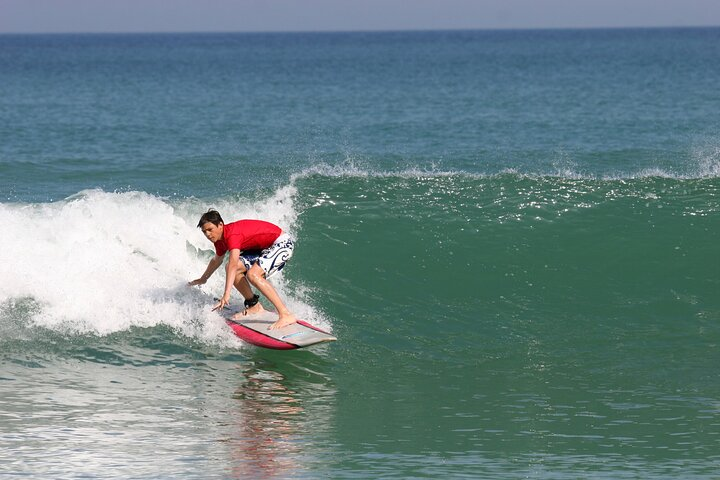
515,236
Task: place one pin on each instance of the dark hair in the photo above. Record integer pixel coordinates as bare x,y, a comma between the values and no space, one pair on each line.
211,216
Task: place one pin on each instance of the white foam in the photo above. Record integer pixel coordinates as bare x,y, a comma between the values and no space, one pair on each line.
350,169
102,262
706,153
704,163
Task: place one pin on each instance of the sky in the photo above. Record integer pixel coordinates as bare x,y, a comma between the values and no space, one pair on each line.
80,16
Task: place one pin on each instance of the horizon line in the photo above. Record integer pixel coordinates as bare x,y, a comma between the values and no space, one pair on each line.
398,30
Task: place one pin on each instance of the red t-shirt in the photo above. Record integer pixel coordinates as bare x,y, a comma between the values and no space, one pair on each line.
247,235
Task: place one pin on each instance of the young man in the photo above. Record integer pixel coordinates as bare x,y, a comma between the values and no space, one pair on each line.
257,249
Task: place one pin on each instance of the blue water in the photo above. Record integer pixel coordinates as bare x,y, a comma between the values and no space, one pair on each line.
513,234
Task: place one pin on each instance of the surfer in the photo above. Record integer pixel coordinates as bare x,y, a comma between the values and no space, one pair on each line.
257,249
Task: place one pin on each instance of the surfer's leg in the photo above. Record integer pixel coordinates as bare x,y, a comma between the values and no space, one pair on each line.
256,276
243,286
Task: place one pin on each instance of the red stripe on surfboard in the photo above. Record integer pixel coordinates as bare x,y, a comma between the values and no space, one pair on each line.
303,322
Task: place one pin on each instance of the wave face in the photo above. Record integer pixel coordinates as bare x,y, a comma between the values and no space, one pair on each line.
503,244
544,248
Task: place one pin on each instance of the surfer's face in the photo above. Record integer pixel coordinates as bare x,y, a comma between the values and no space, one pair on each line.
212,232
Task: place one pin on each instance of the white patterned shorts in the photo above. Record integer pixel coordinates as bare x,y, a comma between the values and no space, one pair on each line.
273,258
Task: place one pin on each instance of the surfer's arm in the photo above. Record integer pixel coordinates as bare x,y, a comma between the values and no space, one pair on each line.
215,262
230,274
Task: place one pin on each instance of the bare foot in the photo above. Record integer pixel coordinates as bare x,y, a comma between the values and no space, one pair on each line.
249,312
283,321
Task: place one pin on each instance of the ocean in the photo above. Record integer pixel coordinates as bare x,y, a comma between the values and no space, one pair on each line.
515,236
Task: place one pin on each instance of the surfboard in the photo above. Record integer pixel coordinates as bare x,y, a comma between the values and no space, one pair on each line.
254,330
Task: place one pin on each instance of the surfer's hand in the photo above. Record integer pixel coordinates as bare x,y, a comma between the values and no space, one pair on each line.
198,281
221,303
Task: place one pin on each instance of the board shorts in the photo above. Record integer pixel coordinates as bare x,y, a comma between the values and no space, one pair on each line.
273,258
